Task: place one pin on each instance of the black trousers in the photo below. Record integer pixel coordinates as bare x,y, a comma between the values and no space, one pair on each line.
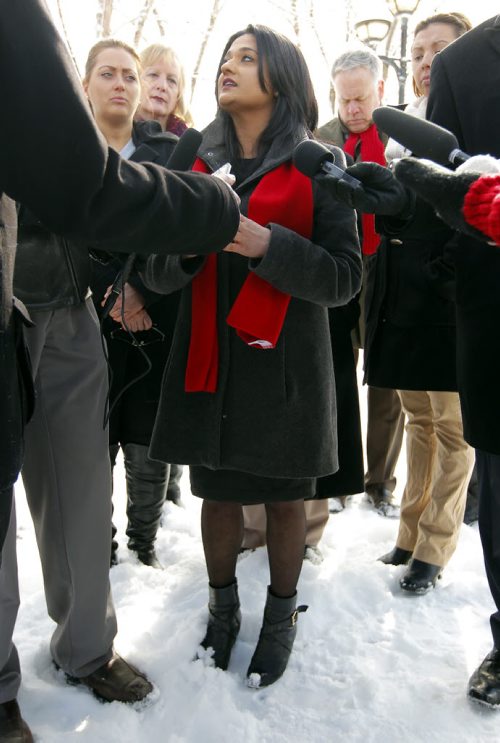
488,473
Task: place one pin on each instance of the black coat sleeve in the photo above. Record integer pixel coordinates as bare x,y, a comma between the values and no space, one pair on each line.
54,161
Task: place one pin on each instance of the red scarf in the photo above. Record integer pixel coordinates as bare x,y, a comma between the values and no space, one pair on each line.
372,150
282,196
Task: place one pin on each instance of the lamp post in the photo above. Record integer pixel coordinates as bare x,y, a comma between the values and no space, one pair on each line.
374,30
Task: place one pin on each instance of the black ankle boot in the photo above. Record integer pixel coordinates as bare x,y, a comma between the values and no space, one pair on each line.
146,491
396,556
276,639
224,621
420,577
13,729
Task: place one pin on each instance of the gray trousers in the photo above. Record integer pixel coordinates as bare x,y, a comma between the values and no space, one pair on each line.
67,478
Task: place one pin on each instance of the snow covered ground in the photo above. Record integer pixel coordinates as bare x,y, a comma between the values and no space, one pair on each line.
369,663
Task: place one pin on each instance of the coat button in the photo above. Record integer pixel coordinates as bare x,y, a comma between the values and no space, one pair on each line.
395,241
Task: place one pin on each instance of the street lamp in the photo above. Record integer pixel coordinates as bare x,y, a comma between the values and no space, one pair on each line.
374,30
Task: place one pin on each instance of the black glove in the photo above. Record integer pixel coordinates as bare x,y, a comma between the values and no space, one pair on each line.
443,189
381,193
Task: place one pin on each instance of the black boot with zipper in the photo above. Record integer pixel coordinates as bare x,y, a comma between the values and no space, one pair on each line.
276,639
224,620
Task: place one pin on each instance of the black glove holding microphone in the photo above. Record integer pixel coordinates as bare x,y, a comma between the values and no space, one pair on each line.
366,187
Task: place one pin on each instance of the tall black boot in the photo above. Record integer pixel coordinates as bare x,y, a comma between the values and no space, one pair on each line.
173,487
224,622
146,491
276,639
113,453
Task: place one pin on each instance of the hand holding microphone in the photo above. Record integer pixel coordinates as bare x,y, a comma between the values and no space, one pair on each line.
367,187
459,198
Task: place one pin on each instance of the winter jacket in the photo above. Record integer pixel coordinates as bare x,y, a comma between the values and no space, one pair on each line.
410,339
53,160
462,104
274,411
133,414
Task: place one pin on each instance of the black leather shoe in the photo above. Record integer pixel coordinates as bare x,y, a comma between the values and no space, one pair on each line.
420,577
396,556
383,501
116,681
484,684
13,729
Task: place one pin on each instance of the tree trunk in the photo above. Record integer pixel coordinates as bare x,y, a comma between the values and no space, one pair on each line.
216,8
143,17
66,37
104,13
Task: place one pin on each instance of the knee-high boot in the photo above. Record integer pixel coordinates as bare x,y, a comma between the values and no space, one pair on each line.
276,639
146,491
173,488
113,453
224,620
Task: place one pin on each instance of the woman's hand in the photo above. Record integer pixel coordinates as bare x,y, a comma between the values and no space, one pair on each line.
135,323
130,298
251,240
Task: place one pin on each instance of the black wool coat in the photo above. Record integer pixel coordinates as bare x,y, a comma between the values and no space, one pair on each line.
410,340
465,98
274,411
57,164
133,410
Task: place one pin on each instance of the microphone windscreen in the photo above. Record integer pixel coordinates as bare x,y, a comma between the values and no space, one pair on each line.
184,153
422,138
309,156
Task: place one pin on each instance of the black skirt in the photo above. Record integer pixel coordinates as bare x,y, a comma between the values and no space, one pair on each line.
233,486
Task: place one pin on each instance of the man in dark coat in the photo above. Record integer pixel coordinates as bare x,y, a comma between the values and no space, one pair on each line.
53,160
472,111
359,89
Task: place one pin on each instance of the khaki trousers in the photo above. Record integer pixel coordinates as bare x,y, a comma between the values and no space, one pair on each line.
439,463
384,438
254,519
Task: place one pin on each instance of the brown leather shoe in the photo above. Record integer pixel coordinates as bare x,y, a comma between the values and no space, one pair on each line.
116,681
13,729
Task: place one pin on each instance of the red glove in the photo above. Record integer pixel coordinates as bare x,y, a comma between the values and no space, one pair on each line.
481,207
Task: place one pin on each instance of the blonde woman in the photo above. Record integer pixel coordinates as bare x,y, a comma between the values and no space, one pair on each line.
163,89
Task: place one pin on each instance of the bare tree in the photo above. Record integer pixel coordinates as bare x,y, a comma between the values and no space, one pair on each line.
66,36
104,13
141,20
314,27
159,21
216,8
295,19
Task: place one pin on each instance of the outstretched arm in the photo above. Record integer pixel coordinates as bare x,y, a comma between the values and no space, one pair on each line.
54,161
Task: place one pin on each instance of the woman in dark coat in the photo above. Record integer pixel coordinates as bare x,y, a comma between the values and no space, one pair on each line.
137,360
140,337
248,397
411,347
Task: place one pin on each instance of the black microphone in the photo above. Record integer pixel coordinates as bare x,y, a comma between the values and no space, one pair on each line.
313,158
184,154
421,137
182,158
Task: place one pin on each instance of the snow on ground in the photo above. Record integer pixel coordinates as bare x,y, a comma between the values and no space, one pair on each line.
370,664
